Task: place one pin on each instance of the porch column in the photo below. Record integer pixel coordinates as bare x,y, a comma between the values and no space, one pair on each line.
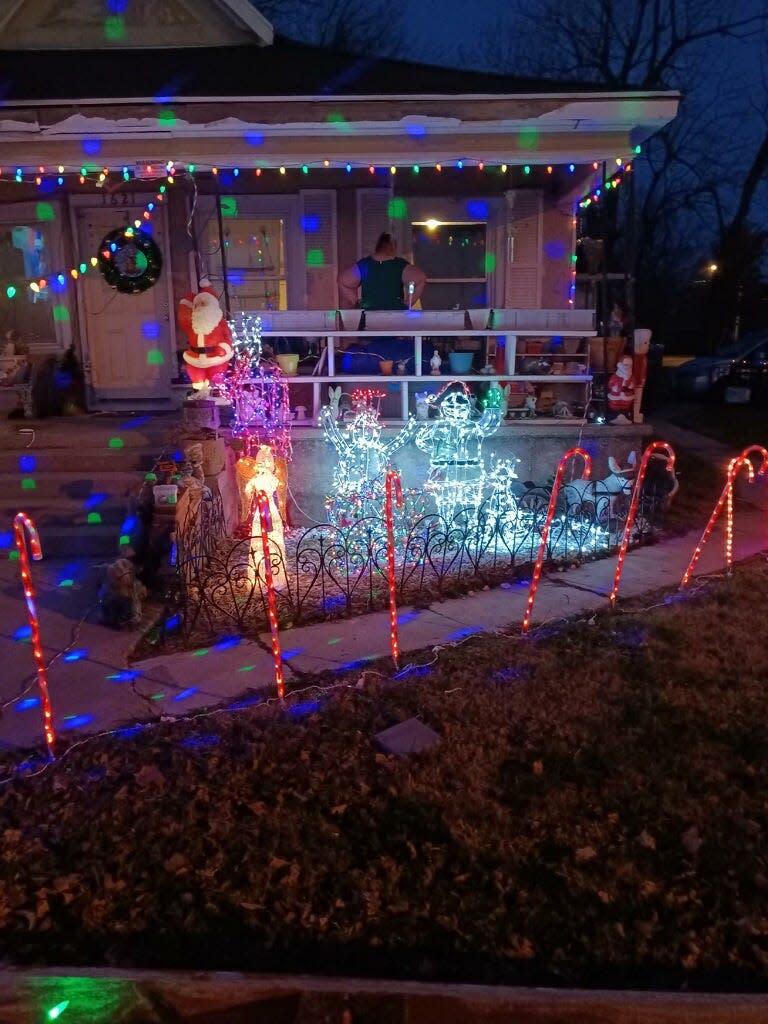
417,355
510,350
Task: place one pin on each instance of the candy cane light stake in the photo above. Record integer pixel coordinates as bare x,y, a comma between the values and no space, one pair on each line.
24,529
741,461
392,480
570,454
265,521
650,451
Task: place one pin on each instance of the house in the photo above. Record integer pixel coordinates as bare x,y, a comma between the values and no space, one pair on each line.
268,165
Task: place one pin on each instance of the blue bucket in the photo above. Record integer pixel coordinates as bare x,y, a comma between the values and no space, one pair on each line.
461,362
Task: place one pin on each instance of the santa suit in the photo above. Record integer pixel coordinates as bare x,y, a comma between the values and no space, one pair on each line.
621,393
208,353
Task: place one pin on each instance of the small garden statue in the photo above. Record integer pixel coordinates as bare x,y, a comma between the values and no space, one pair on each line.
621,391
436,364
121,595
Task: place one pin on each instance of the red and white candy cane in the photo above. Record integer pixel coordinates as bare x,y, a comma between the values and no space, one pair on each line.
265,521
741,461
24,529
570,454
392,481
654,448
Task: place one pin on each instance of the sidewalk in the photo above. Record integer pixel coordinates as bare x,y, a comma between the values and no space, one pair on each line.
92,688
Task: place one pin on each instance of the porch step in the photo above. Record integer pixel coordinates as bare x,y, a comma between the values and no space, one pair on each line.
93,542
78,484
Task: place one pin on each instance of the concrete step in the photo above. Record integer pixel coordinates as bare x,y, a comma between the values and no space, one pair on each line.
75,460
92,542
54,511
85,486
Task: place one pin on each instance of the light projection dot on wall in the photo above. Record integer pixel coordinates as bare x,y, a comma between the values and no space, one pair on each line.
94,518
114,28
116,443
61,314
44,212
490,262
315,258
397,208
28,484
310,223
166,118
228,206
155,357
528,138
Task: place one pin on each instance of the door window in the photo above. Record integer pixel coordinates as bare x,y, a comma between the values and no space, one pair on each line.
254,256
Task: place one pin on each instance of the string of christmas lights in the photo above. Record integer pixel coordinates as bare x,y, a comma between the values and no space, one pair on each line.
58,281
25,530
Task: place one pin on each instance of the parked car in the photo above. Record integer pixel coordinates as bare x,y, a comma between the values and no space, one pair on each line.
706,376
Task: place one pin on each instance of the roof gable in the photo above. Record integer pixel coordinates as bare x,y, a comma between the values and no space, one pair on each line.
143,24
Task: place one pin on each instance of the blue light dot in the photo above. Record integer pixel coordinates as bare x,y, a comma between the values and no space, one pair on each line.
76,655
185,694
22,633
27,703
91,146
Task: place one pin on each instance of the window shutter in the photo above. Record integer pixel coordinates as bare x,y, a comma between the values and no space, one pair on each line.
318,232
372,218
524,249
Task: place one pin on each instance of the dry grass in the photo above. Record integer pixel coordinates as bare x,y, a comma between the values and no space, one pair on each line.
595,813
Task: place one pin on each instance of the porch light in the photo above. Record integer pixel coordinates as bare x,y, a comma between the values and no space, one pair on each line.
713,268
431,224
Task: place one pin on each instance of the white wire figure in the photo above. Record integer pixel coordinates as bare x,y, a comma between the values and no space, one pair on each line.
264,478
454,445
363,454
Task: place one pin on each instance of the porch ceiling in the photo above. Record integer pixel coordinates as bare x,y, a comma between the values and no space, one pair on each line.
243,131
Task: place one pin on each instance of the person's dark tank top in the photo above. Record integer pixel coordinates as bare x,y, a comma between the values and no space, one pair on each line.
381,284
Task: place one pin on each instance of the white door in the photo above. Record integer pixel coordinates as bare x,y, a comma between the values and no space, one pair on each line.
128,343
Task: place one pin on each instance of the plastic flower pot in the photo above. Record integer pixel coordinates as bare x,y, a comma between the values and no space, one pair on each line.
289,364
461,362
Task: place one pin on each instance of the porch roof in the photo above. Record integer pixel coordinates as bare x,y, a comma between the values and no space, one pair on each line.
291,104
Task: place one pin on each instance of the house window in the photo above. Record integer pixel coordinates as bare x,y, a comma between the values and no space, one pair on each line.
455,258
33,315
255,257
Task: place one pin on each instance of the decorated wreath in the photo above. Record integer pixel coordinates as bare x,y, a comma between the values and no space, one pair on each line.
129,260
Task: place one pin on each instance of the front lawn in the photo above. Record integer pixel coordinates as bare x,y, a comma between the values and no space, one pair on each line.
595,814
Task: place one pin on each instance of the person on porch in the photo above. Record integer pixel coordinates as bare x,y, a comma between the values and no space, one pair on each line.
382,280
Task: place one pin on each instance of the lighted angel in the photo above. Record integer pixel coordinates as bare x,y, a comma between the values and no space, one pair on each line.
454,444
264,478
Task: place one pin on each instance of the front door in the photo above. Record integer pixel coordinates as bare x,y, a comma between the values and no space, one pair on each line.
128,347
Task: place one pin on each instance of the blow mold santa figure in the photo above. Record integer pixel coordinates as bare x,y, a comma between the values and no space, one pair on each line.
208,338
621,391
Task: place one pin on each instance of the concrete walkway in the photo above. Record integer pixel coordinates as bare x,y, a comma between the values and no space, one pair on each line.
154,997
92,688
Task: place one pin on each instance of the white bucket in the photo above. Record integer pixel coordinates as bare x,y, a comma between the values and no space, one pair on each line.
165,494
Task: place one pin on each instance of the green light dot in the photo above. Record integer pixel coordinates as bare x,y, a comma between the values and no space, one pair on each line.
158,696
574,258
200,652
125,540
114,28
638,149
315,258
13,556
304,169
44,211
166,119
116,442
526,169
528,138
228,206
28,484
93,517
67,583
490,262
191,168
56,1011
151,478
155,357
246,668
61,314
397,208
10,291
